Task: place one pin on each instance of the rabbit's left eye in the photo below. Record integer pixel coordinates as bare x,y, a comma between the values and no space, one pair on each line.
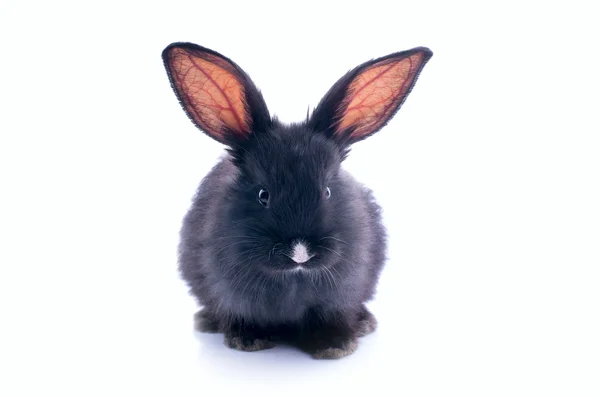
327,193
264,198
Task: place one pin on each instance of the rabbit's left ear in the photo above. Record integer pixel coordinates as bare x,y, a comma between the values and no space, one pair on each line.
366,98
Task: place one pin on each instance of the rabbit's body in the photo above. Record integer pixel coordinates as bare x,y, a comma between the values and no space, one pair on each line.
280,242
213,266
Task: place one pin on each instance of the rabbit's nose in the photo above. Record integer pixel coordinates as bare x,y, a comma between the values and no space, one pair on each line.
300,253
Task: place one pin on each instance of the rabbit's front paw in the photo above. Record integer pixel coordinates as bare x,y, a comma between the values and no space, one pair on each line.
366,322
338,351
248,343
205,321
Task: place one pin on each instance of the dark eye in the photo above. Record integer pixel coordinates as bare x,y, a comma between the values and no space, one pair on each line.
263,197
327,193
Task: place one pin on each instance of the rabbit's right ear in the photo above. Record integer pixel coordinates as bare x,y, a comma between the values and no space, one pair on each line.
367,97
215,93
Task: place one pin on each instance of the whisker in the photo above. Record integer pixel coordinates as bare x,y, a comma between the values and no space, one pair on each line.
241,261
334,238
241,254
273,250
310,275
233,266
249,282
328,271
336,271
331,250
224,248
324,272
246,225
235,236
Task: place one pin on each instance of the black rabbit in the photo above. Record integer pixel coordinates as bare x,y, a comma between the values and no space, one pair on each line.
280,242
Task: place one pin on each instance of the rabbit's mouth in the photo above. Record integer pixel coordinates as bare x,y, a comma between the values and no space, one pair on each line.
298,256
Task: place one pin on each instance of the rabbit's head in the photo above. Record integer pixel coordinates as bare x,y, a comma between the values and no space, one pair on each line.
288,197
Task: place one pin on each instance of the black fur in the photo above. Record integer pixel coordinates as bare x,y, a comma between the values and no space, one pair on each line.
234,252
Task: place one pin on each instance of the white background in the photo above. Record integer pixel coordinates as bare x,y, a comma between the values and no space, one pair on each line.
489,177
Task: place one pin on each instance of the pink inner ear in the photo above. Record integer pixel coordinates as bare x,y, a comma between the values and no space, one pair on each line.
211,93
376,93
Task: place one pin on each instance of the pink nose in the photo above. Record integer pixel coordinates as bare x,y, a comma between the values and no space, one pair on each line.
300,253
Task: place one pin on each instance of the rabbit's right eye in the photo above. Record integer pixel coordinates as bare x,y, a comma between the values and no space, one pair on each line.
263,197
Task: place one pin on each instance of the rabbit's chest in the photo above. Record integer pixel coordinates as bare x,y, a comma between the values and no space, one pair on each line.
276,303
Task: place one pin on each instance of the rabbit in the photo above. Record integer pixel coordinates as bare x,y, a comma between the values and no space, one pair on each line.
280,243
